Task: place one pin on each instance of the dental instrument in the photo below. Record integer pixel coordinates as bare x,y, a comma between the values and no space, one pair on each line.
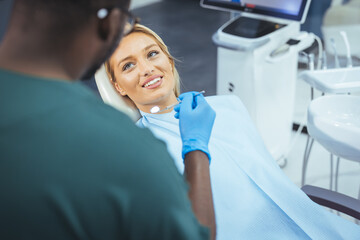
311,61
333,45
324,61
321,52
156,109
347,45
310,57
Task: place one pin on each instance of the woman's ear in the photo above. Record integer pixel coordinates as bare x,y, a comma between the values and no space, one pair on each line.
119,89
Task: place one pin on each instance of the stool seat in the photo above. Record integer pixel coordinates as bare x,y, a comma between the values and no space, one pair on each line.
334,121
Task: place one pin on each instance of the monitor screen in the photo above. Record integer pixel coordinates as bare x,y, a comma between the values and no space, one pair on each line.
286,9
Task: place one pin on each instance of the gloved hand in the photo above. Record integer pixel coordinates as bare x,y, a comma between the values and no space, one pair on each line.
196,119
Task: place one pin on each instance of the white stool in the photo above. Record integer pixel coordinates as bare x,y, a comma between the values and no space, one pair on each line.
334,121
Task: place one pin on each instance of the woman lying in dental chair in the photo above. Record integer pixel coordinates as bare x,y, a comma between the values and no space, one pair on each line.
253,198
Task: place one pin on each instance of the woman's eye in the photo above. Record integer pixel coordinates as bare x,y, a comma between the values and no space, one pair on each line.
153,53
127,66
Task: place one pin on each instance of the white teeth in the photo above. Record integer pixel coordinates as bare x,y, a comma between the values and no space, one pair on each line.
152,82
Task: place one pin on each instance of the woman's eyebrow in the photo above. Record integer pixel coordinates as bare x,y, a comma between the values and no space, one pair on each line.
145,49
124,59
150,46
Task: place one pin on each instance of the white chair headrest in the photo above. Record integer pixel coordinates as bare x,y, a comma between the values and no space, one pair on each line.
110,96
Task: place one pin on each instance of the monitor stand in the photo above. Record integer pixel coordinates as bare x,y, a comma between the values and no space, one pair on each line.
251,27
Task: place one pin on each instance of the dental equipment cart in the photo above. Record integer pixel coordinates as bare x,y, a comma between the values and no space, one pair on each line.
257,60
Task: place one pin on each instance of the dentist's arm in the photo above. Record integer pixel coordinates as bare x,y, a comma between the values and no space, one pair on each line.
196,119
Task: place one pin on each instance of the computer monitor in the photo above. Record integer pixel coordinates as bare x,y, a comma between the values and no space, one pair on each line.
295,10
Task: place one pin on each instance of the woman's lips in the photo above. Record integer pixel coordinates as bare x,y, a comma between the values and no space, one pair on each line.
156,82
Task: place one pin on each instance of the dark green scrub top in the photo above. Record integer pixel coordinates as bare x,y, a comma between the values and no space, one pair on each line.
74,168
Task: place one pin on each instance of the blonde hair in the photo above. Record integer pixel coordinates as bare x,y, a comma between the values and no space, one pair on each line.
138,28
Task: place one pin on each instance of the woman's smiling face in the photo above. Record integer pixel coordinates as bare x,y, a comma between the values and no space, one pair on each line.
143,72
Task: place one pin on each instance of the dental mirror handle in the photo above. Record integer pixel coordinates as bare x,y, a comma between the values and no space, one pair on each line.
168,107
173,105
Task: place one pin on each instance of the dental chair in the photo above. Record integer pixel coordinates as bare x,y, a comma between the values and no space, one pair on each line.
333,200
111,97
324,197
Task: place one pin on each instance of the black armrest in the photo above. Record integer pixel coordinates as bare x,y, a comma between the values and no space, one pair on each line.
334,200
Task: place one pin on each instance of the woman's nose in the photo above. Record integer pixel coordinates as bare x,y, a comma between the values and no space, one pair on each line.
146,68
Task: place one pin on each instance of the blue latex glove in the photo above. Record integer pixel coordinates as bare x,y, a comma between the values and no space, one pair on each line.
196,120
